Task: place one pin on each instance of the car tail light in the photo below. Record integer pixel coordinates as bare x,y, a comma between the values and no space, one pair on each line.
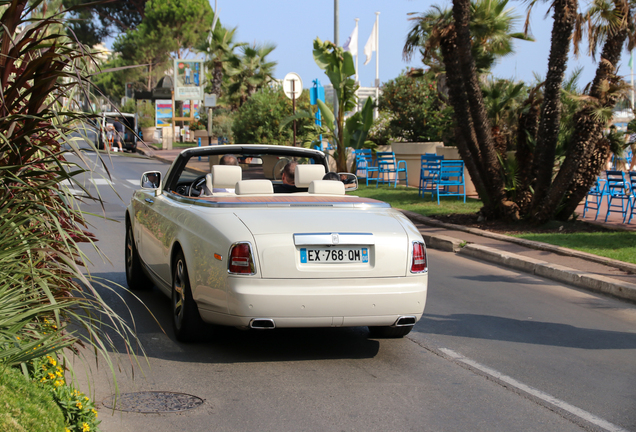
418,265
240,261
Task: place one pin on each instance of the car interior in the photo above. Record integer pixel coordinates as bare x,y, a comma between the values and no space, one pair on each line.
254,175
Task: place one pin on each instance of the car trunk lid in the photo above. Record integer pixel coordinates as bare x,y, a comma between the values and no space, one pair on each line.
306,243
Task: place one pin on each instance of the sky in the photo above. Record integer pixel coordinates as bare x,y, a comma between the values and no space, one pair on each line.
292,25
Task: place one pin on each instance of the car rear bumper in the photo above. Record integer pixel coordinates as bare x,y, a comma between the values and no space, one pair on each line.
321,303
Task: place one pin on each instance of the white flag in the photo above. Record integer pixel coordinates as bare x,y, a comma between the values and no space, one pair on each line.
370,46
351,44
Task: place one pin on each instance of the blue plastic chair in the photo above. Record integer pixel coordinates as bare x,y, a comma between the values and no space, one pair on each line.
389,168
594,197
451,180
364,164
429,172
631,178
617,189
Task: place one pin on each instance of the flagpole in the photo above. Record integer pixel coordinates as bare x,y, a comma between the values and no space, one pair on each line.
356,30
377,62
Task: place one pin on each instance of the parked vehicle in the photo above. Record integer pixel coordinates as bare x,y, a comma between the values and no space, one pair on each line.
129,121
249,257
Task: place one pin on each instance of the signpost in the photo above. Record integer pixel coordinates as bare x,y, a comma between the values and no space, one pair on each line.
293,88
209,102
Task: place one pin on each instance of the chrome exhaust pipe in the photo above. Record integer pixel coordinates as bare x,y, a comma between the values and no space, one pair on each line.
405,321
262,323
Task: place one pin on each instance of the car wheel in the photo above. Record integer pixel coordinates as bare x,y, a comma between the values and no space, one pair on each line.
135,276
185,314
389,332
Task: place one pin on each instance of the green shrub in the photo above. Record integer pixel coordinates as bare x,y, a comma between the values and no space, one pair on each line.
42,286
380,133
145,114
258,120
417,113
26,406
78,410
222,121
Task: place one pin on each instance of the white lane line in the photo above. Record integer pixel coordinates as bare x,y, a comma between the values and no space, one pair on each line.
134,182
589,417
101,182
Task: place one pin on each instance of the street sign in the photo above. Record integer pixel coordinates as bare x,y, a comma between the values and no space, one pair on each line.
210,100
292,85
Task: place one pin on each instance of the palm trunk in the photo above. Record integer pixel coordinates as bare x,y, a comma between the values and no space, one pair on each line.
526,132
464,132
564,16
589,147
493,176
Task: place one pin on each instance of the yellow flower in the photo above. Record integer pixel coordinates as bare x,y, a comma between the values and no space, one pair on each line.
67,430
94,412
52,361
79,405
17,337
43,379
51,375
58,373
85,427
59,383
86,398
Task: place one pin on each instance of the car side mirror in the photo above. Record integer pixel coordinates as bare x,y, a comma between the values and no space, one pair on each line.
151,180
350,181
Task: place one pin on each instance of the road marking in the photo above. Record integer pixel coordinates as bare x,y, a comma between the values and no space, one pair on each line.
589,417
101,182
134,182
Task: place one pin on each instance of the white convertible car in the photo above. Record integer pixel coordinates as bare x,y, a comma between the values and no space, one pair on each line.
229,248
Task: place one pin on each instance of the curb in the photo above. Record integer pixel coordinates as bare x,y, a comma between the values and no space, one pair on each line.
628,267
581,279
559,273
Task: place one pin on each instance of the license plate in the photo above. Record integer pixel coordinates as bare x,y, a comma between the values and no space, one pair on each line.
330,255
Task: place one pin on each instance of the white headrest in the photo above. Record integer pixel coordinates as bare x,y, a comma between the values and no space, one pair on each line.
225,176
327,187
305,174
254,187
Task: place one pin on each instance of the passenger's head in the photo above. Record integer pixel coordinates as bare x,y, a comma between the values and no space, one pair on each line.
228,159
289,172
331,176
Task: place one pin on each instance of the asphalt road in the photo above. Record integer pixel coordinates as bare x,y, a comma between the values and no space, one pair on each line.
497,350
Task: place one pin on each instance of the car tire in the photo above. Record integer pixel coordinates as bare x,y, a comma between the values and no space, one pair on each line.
389,332
186,320
135,276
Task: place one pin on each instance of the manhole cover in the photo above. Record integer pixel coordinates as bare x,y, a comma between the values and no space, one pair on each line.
153,402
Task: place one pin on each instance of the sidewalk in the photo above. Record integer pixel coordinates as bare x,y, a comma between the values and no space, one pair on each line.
572,267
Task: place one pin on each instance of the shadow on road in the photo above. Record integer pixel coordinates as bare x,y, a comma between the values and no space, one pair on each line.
524,331
228,344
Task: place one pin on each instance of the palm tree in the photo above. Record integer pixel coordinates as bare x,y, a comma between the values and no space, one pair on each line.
490,26
249,72
220,48
610,25
466,42
565,12
502,99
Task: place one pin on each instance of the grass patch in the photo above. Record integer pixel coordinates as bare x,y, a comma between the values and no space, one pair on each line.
25,406
618,245
407,199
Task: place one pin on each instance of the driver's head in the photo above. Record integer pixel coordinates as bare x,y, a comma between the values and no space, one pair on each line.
289,172
228,159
